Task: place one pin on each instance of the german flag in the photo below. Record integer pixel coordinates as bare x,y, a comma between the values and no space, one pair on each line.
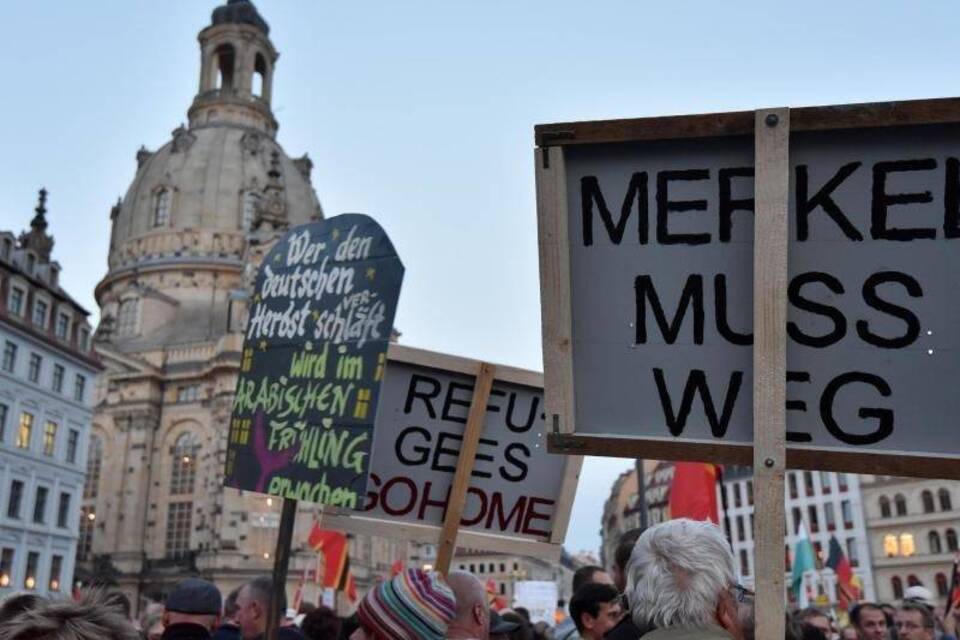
336,559
693,493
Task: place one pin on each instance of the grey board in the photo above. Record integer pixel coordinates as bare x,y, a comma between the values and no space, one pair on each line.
614,389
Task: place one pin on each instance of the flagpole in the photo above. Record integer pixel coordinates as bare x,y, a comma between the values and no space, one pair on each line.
723,504
954,580
281,561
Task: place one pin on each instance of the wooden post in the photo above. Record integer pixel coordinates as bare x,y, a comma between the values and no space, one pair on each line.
281,561
772,161
461,480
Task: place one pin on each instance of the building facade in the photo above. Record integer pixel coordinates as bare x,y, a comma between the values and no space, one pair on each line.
47,375
186,238
503,571
913,526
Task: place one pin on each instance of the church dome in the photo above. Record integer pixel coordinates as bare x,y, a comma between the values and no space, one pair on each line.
209,179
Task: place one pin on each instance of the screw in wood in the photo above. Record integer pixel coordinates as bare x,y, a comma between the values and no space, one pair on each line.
772,120
769,461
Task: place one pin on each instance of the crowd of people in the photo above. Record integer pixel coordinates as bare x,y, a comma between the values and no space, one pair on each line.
675,581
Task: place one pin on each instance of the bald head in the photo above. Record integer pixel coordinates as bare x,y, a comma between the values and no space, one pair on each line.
473,619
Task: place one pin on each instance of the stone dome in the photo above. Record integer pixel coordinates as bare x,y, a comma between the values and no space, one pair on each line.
210,179
240,12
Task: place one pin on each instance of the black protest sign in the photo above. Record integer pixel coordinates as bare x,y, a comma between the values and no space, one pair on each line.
313,358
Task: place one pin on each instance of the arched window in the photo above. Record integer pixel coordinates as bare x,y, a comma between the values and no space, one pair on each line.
127,317
94,464
884,507
913,581
226,58
248,209
161,208
183,458
945,502
942,588
951,540
897,585
901,504
927,498
259,83
934,539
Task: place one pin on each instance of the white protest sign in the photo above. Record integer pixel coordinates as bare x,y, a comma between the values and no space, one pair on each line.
519,497
539,597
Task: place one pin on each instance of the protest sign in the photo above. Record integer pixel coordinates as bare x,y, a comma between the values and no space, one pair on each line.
647,262
313,358
539,597
519,497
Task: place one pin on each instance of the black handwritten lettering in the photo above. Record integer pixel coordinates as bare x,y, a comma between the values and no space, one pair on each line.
871,297
884,417
697,384
882,201
665,206
796,298
636,192
692,294
728,205
823,199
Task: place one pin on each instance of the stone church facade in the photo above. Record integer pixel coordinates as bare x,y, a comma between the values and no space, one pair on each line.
185,240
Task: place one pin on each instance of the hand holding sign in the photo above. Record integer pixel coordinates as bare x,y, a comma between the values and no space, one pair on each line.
313,358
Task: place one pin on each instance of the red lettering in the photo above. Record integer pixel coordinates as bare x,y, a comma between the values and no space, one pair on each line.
532,514
373,497
496,510
385,492
427,502
469,522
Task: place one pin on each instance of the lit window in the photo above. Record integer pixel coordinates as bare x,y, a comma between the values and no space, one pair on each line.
49,438
33,367
178,529
58,372
25,430
907,547
56,565
6,567
9,356
891,547
40,309
161,208
15,303
30,576
88,518
183,473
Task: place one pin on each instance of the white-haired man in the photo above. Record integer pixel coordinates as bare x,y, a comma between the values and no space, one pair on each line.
681,578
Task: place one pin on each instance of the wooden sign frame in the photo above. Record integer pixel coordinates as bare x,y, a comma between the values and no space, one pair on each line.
356,522
551,140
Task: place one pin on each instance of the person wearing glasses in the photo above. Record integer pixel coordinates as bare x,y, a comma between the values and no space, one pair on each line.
914,621
682,582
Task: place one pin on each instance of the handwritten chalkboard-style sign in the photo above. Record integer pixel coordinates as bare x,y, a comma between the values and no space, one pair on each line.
647,240
313,359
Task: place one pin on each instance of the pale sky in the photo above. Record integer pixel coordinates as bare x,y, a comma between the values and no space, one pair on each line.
422,113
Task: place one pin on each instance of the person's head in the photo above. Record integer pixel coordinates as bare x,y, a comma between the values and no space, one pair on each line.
89,619
473,616
502,628
849,633
595,609
230,606
193,601
151,625
682,575
621,557
870,621
321,623
413,605
815,618
15,605
253,606
589,573
914,621
810,632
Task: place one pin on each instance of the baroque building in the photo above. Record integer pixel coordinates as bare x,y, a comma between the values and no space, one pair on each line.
913,526
46,380
185,241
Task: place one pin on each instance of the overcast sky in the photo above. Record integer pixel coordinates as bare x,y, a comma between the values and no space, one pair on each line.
422,113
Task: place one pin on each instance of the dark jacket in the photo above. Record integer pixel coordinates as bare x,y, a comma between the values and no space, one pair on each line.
227,631
626,630
286,633
185,631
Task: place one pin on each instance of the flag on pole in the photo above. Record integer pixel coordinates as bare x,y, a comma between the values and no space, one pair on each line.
396,568
954,600
803,561
336,559
836,560
693,492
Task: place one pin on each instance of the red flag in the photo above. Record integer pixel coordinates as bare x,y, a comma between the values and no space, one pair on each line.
954,600
336,558
693,492
396,568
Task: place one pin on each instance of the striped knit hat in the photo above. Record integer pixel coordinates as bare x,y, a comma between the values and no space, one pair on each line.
414,605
